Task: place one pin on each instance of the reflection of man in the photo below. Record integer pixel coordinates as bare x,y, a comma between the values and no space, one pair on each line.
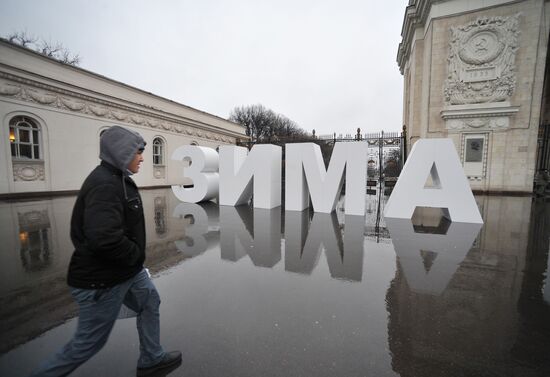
106,269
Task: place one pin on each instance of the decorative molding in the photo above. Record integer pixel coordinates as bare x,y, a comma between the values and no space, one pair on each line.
481,61
72,105
28,170
478,123
47,95
415,16
495,116
159,171
9,90
43,98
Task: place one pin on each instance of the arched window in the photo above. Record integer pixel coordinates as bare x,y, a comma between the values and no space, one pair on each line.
158,151
24,138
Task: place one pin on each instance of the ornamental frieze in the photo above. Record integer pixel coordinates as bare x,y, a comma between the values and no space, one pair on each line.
72,105
497,123
481,62
9,90
98,110
65,100
43,98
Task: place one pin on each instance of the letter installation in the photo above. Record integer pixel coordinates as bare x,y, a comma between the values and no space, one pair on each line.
446,252
243,175
451,191
306,174
203,172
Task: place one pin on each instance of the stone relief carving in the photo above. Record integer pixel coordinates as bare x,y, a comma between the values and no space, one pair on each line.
9,90
43,98
136,119
152,123
72,105
28,171
498,123
159,171
28,90
119,116
481,62
98,111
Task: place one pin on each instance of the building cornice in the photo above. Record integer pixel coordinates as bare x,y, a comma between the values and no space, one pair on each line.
86,73
416,14
33,91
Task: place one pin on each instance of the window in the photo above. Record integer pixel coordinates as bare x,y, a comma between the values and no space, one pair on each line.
158,151
474,149
24,138
474,155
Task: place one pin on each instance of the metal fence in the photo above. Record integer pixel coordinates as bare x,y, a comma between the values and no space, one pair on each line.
386,153
542,174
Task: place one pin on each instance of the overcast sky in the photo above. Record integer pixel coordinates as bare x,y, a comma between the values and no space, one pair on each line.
327,65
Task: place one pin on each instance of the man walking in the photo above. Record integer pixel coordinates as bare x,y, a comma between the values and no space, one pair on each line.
106,269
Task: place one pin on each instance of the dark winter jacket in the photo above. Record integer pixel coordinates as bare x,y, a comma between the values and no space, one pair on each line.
107,224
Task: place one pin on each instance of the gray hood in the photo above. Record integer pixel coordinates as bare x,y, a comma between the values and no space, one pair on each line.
118,146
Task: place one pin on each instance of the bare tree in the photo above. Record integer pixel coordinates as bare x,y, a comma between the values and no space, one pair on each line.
22,38
392,164
263,124
52,50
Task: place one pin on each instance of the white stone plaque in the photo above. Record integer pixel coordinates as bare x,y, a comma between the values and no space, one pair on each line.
480,74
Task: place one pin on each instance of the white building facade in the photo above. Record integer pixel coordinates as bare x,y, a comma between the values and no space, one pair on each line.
52,116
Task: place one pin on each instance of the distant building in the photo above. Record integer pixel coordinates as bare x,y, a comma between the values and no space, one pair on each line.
474,71
53,114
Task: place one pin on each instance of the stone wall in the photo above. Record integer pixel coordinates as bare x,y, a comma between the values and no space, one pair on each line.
475,74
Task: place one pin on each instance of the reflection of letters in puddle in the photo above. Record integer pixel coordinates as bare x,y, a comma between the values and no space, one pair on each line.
303,246
198,234
429,261
256,232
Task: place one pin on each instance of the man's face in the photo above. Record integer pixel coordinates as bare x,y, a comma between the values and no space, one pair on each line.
134,164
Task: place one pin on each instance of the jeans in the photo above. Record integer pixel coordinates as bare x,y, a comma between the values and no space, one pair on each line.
98,311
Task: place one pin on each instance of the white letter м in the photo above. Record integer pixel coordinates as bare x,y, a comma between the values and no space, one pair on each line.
305,174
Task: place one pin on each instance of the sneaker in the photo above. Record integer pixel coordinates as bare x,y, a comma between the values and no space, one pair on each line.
170,359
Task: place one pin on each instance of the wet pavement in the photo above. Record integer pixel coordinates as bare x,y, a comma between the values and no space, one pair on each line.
272,293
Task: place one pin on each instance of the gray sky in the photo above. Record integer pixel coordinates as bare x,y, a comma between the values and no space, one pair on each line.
327,65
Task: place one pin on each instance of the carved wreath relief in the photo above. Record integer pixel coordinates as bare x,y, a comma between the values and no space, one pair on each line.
481,61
